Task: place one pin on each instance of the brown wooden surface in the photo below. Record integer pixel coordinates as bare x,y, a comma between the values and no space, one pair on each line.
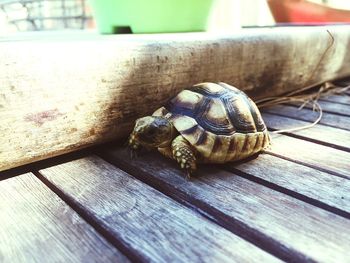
151,226
319,133
282,224
312,154
339,99
331,107
332,120
320,188
37,226
290,203
66,94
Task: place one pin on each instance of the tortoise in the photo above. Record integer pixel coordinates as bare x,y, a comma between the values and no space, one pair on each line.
208,123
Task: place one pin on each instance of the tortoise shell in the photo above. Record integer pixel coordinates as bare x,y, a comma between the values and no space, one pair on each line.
221,122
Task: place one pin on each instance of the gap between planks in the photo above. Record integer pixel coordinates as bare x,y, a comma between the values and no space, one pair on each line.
328,119
341,99
162,175
271,247
107,195
296,194
35,166
134,257
324,147
306,184
37,226
311,154
321,134
328,107
310,185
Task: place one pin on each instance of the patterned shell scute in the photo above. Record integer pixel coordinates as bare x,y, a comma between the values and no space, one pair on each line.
220,121
218,108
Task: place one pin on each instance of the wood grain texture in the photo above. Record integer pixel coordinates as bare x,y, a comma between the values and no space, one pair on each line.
330,107
300,181
67,94
330,136
342,99
295,230
151,226
37,226
332,120
311,154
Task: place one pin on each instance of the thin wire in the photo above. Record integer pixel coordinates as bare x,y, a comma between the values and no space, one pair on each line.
306,87
332,40
319,109
325,90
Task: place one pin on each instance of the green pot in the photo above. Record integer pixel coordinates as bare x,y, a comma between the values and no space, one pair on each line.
150,16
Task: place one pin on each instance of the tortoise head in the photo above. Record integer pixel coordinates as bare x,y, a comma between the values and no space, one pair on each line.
151,132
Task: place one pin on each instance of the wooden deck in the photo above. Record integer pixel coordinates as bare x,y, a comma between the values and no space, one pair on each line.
289,204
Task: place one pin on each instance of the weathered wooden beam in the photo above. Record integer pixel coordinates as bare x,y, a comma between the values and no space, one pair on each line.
62,95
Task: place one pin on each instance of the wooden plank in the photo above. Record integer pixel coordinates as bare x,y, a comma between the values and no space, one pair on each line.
319,188
311,154
295,229
37,226
333,120
343,99
150,225
330,107
93,90
326,135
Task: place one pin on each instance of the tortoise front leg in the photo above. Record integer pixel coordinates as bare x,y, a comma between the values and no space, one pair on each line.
183,153
134,145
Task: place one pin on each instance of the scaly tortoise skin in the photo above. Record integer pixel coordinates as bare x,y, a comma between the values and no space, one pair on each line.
209,123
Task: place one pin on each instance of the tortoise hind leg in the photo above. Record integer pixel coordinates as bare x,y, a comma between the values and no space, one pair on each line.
183,153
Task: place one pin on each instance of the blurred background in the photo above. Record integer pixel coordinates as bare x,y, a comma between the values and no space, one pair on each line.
224,15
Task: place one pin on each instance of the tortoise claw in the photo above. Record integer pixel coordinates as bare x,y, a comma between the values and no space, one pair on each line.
188,174
134,146
133,153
